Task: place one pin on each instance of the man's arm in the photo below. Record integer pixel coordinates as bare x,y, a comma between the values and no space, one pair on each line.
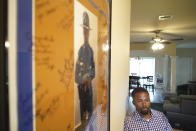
91,126
168,126
126,124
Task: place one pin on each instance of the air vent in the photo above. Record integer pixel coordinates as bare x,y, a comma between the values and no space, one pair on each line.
165,17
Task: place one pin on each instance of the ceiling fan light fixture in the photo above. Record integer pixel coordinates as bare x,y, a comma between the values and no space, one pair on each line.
157,39
163,41
157,46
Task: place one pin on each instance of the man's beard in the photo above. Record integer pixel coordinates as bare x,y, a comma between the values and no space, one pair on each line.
145,112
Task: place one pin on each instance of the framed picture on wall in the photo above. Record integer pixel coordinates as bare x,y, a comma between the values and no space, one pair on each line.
64,65
91,59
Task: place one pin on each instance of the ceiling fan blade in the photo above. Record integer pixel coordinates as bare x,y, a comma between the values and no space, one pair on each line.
167,35
166,42
148,31
160,36
140,32
140,42
157,31
176,39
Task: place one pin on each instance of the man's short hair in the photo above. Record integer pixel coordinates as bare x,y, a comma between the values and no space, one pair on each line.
138,90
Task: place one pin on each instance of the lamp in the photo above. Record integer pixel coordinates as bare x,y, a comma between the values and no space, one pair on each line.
157,46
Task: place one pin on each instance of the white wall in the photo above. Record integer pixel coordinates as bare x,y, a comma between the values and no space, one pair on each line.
188,52
173,75
144,53
121,12
12,39
183,70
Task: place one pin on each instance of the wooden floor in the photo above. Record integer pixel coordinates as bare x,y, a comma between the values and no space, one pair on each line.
177,130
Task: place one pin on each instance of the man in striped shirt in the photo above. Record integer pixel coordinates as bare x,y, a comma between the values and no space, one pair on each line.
144,118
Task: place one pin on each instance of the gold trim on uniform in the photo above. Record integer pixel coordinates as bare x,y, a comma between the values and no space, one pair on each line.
81,63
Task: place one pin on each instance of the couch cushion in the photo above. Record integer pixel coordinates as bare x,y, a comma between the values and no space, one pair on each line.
190,97
185,120
171,107
188,104
188,107
168,96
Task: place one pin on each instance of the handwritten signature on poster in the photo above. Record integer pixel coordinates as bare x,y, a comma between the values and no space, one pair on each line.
52,107
65,74
42,113
46,8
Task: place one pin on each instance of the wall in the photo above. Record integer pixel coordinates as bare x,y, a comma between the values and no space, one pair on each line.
188,52
173,75
121,11
183,70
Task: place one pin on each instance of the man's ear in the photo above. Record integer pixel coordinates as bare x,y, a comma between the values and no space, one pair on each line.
133,102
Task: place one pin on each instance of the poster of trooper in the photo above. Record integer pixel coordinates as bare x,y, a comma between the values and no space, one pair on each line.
64,58
85,61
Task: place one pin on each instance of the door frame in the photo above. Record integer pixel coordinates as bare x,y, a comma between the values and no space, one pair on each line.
4,110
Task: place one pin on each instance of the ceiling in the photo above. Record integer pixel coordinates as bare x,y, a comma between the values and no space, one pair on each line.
144,20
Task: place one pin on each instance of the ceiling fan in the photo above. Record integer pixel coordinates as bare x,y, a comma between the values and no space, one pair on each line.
159,39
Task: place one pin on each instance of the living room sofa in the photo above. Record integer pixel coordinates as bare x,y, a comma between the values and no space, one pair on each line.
181,111
187,89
